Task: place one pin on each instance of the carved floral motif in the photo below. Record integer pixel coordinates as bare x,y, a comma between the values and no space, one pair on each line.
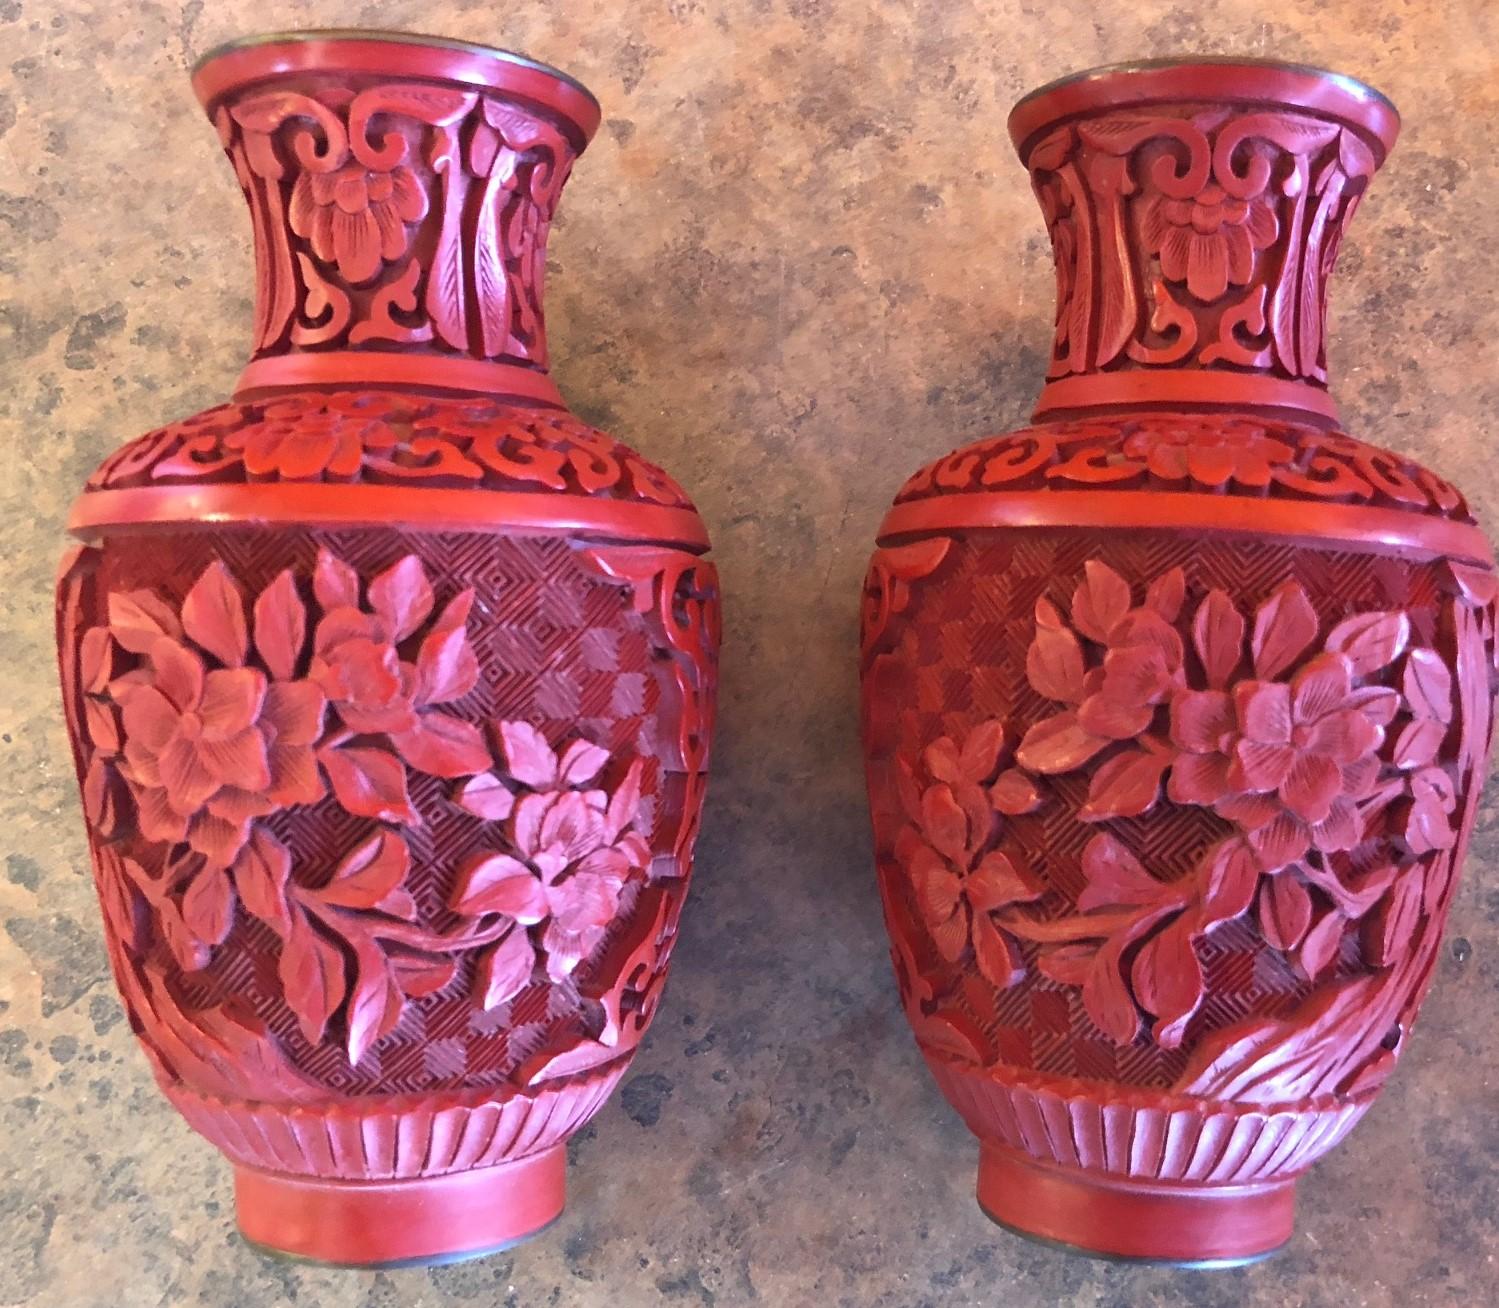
1328,756
1208,240
960,879
212,717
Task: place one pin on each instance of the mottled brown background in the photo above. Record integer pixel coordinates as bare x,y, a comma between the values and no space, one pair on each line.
798,261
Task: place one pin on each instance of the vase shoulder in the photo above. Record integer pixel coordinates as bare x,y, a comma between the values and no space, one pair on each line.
1221,470
388,455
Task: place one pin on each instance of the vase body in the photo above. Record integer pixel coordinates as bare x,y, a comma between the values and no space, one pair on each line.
390,683
1176,703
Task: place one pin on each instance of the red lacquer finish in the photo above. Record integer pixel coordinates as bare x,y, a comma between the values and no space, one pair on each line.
1177,703
390,683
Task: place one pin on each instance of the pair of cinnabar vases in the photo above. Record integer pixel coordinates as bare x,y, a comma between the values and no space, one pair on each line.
390,683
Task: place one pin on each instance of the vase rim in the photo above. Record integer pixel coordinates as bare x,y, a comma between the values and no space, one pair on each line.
1284,81
448,56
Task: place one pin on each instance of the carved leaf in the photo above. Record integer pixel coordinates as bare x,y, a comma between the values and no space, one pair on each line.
437,105
951,1032
1058,744
137,618
1218,635
1100,602
260,874
624,804
446,668
1285,911
1068,965
334,582
492,882
208,905
369,783
1054,664
312,977
371,875
504,971
213,614
1000,881
580,763
528,757
376,1003
944,823
1232,874
96,660
1107,1000
485,796
105,797
1014,793
419,975
1114,876
402,596
1126,785
1371,641
1418,744
192,954
1319,948
1389,929
1167,593
280,626
1168,981
1284,625
998,959
443,746
1427,685
493,290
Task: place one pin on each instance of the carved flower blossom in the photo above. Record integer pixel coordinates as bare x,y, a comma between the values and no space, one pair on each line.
958,878
357,661
571,849
205,751
296,441
1212,454
1209,241
1287,762
355,216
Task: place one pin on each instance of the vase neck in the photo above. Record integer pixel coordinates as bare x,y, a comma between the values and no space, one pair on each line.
1195,213
401,191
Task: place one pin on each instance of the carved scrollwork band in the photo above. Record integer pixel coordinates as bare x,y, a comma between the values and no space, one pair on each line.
388,438
1256,472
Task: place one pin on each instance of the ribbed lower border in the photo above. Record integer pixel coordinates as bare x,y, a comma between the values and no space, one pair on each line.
398,1137
1136,1134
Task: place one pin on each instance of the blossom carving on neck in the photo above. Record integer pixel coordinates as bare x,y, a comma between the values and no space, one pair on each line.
1210,240
357,217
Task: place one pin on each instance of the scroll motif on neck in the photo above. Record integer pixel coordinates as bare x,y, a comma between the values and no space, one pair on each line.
1197,237
397,214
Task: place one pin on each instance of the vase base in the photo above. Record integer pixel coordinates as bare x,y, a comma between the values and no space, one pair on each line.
401,1223
1136,1221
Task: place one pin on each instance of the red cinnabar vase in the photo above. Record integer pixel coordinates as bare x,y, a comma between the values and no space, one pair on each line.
390,683
1177,703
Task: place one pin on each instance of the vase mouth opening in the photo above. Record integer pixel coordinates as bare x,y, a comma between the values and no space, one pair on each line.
387,52
1208,79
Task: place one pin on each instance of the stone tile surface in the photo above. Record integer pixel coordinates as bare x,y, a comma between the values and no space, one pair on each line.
799,261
